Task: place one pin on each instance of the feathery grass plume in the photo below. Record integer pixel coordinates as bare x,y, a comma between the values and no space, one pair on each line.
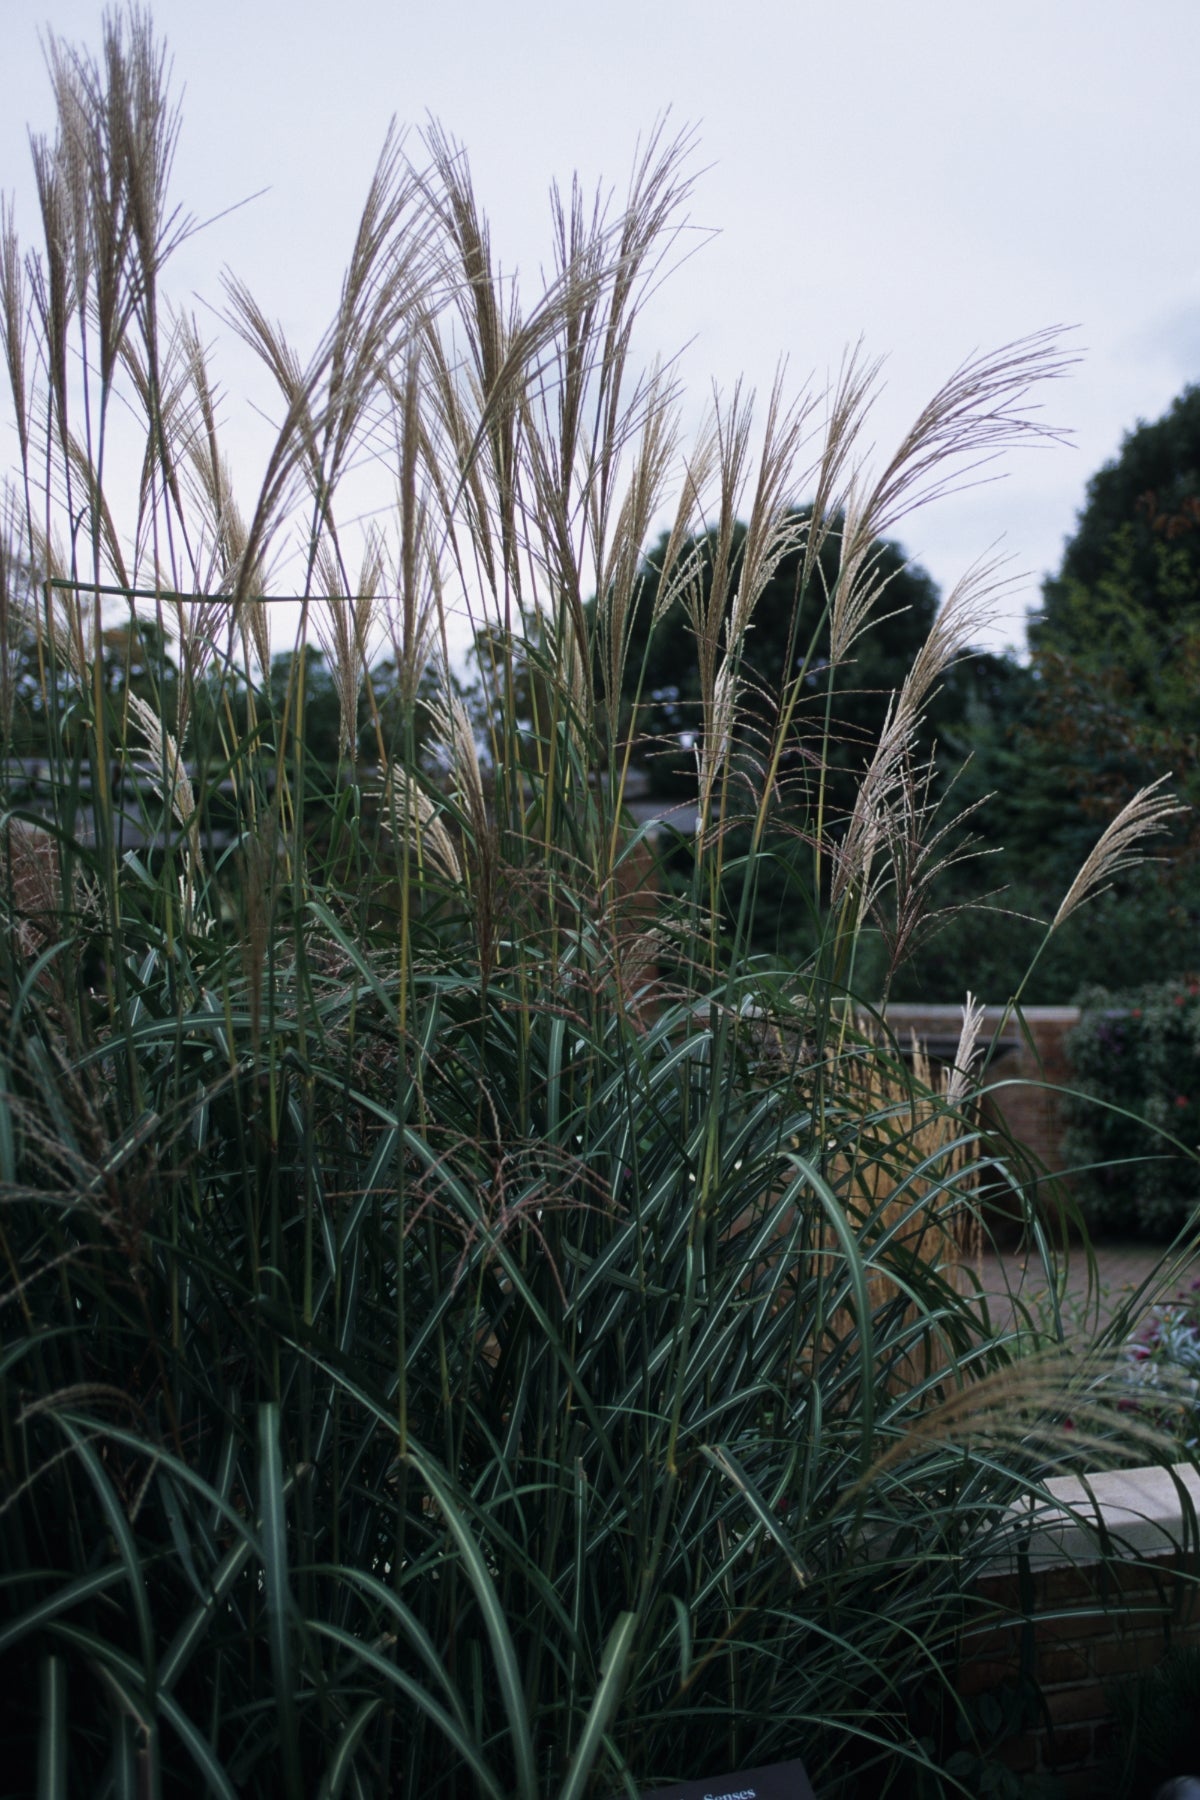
677,572
1141,817
167,406
848,402
94,158
1051,1409
379,314
15,325
586,421
137,134
967,610
166,770
51,292
409,812
720,587
968,607
646,240
457,740
289,463
183,480
477,383
557,420
618,575
201,456
148,124
535,402
503,350
418,573
716,740
977,414
328,401
973,417
773,530
344,628
957,1084
918,851
70,232
110,559
214,528
857,587
706,601
64,628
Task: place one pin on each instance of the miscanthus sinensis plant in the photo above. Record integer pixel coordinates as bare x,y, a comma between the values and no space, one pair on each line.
468,1326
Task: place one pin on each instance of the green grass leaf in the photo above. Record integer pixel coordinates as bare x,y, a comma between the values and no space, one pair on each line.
281,1621
53,1751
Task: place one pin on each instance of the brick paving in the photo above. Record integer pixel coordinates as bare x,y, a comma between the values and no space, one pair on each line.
1013,1281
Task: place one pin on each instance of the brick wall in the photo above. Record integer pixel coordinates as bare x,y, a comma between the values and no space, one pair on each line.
1078,1623
1022,1081
1087,1628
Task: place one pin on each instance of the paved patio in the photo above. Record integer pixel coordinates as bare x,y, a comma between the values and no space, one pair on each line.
1091,1298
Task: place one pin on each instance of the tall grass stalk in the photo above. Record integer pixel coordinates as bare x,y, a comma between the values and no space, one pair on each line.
469,1326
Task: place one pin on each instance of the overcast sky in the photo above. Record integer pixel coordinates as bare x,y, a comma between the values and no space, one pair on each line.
936,176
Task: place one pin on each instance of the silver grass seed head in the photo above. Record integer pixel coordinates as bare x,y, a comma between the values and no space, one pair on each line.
1118,846
968,1049
165,764
409,812
457,740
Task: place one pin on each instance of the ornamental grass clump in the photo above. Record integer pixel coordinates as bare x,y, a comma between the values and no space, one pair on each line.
908,1179
469,1326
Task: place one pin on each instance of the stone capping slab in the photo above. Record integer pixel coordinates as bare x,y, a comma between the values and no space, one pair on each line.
1140,1511
944,1014
937,1026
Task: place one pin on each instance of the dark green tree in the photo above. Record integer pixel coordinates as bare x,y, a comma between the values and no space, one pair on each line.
789,635
1108,703
322,712
1138,524
1116,646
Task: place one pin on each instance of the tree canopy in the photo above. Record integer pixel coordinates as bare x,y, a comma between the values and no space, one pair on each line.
1109,702
1116,646
1140,522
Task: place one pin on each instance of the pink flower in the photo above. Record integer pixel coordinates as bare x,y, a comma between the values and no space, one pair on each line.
1182,1100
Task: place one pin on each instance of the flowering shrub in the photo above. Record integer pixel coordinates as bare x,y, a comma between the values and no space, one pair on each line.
1162,1361
1138,1054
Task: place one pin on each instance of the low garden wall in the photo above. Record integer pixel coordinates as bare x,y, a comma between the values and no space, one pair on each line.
1079,1623
1030,1108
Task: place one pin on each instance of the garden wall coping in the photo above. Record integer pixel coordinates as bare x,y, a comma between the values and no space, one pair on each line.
947,1012
1141,1512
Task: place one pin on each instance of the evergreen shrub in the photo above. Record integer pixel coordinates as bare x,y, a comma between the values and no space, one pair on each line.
1137,1053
